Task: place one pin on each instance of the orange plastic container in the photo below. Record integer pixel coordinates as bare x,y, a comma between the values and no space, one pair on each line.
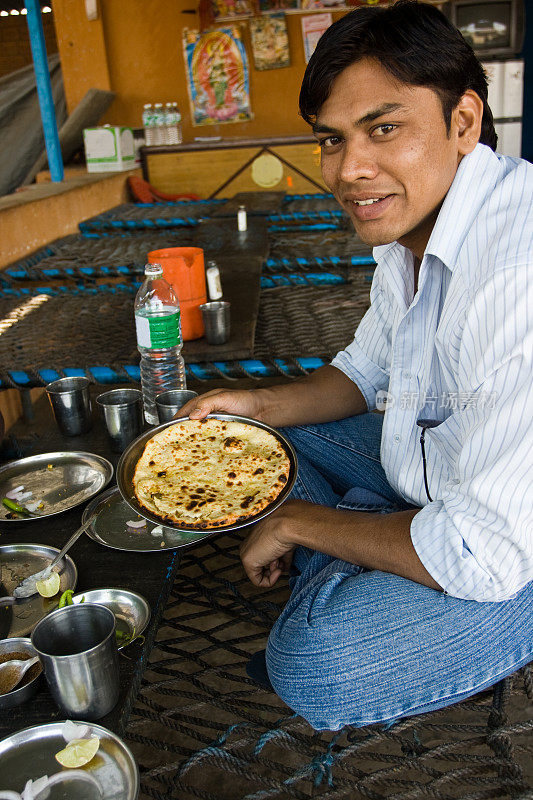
183,268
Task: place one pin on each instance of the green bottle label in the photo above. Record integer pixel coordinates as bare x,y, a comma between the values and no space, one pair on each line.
165,331
158,333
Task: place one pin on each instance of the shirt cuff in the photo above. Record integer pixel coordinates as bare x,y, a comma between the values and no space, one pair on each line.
367,376
443,552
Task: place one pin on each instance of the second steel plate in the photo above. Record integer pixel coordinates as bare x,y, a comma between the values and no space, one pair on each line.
59,480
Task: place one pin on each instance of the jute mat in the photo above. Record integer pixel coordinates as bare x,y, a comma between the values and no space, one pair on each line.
93,326
200,728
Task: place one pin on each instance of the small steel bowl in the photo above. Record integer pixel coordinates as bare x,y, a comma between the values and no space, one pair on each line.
131,610
26,692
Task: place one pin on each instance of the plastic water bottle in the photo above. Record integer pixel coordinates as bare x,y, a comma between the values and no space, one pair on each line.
148,124
169,124
179,131
171,131
157,323
160,124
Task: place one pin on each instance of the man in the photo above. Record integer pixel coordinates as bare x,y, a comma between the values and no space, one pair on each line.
426,601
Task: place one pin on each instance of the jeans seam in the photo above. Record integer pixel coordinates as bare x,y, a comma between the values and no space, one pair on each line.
365,507
337,443
302,487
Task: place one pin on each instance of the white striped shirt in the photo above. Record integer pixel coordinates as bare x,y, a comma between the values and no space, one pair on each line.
461,351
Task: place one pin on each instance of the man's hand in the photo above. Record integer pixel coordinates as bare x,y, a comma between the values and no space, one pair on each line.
268,550
370,540
244,403
324,395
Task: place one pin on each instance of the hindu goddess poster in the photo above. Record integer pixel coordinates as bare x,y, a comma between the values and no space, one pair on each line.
270,41
217,76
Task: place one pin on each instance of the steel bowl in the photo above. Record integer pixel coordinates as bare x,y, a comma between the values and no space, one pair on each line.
26,692
130,457
131,610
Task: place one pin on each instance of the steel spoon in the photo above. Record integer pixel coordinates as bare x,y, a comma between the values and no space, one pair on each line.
12,672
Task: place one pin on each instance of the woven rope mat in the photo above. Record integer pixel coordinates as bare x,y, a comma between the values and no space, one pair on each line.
118,250
200,728
84,329
297,244
153,211
310,202
310,321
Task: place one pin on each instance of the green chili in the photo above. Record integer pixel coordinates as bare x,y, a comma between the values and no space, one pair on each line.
66,599
18,509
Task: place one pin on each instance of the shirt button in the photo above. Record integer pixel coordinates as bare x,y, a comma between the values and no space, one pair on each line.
407,375
397,437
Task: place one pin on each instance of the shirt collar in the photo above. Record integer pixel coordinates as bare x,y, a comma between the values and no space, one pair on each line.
479,170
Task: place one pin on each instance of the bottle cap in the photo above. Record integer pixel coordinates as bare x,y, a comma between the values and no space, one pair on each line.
147,105
153,269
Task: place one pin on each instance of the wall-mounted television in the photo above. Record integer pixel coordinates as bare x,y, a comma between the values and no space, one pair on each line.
493,28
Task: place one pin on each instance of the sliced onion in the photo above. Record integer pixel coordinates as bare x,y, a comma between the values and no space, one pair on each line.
73,730
139,523
34,505
33,788
77,774
24,496
40,789
157,531
11,494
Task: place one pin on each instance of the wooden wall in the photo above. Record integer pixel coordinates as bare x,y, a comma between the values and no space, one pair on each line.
15,50
135,49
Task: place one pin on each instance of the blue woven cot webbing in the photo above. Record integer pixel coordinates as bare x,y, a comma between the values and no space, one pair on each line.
178,203
102,374
127,288
80,272
306,279
321,261
267,282
317,226
136,224
299,215
290,197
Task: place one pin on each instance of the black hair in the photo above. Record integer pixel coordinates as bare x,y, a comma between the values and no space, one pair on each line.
414,42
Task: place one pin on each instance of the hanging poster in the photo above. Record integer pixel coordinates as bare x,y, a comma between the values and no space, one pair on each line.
312,29
217,76
278,5
270,42
312,5
224,9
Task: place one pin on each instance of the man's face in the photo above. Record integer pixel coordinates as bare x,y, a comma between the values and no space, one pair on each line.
386,154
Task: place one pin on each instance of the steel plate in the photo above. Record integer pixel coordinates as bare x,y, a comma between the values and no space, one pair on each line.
110,529
60,480
30,754
18,561
129,458
131,610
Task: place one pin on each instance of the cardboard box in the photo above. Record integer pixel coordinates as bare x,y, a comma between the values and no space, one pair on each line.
109,149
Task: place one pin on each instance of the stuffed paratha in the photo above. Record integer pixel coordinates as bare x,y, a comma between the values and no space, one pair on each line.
209,473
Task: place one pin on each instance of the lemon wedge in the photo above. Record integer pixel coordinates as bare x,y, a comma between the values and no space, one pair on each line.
78,752
50,586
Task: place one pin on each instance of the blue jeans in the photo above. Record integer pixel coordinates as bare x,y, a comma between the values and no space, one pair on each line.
354,646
